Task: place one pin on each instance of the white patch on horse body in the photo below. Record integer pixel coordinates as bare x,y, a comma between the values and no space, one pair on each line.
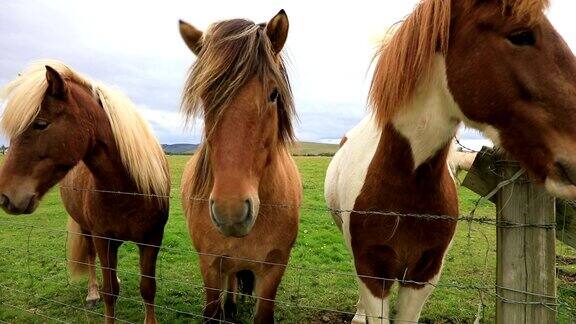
428,123
459,161
492,133
360,316
411,301
432,116
347,171
371,307
344,181
450,161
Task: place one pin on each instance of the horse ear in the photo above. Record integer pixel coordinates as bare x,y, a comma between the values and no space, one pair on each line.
56,84
191,36
277,30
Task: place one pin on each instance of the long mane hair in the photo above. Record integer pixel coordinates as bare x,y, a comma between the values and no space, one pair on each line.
139,150
233,52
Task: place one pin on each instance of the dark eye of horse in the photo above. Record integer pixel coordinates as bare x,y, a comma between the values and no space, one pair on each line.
274,95
40,125
524,37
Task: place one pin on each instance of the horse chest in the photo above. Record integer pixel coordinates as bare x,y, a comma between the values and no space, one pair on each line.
124,218
367,175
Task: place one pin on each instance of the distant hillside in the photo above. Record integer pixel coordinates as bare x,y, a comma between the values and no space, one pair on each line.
300,148
309,148
177,149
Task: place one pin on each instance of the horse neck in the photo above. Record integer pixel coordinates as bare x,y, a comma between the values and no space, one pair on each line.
430,120
103,157
396,164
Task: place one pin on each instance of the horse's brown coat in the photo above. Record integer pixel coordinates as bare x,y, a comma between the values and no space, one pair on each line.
402,247
527,93
245,156
79,147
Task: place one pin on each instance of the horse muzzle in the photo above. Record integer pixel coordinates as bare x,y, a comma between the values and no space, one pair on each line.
562,182
18,204
234,218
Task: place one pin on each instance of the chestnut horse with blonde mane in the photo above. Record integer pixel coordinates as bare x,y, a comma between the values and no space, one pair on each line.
63,126
498,66
240,87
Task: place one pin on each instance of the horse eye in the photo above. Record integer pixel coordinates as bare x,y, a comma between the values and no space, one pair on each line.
525,37
274,95
40,125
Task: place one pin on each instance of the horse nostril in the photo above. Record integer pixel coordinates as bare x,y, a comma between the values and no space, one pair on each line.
4,201
248,203
567,171
211,207
31,203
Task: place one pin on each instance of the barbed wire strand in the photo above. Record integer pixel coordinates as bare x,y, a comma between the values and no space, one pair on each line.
32,313
284,303
332,310
62,303
309,269
490,220
478,219
503,299
464,147
304,268
394,280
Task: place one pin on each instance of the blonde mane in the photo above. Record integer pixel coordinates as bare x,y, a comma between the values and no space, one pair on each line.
140,151
233,52
408,56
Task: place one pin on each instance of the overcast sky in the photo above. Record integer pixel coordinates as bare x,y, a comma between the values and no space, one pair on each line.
136,46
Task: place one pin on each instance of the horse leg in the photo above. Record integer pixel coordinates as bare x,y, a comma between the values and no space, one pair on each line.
148,257
267,283
230,307
375,309
93,296
411,299
375,266
360,316
213,287
108,254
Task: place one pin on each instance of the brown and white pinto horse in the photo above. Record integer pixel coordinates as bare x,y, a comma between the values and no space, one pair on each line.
240,87
62,125
500,67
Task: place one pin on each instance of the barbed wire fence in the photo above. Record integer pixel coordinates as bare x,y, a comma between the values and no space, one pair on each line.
296,303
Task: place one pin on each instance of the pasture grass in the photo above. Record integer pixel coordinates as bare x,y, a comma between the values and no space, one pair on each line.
34,285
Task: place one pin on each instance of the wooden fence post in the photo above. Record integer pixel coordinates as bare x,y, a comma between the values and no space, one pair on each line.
526,253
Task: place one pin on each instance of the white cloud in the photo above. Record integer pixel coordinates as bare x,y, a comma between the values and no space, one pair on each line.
169,126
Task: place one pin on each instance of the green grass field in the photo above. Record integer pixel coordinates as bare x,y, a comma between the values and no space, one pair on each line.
34,285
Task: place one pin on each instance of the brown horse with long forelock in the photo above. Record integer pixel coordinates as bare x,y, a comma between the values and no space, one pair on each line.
240,87
500,67
61,125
